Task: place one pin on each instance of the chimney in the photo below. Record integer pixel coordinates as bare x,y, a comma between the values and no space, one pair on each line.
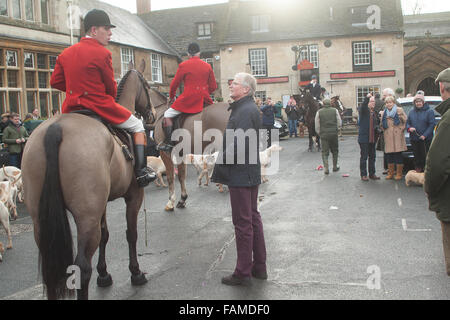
143,6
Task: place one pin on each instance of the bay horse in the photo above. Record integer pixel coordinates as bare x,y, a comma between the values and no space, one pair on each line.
73,163
214,117
311,107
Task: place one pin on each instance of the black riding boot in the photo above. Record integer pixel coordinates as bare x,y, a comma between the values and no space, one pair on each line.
167,128
144,175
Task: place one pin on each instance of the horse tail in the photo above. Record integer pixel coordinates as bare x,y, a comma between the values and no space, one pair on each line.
55,236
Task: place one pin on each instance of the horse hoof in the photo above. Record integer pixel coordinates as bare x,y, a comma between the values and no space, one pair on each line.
105,281
138,280
168,209
181,205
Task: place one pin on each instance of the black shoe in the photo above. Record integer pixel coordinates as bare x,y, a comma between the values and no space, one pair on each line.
144,177
259,275
336,169
233,280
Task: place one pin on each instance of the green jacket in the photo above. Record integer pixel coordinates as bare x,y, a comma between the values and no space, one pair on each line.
328,121
437,169
11,134
30,125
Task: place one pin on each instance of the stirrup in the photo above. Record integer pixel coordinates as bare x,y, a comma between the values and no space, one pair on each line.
164,147
145,178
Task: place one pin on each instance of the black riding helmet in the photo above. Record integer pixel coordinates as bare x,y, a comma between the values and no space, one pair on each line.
97,18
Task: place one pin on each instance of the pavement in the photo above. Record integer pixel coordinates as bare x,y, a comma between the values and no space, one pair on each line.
327,237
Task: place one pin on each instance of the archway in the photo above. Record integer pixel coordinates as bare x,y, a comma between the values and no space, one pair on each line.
429,87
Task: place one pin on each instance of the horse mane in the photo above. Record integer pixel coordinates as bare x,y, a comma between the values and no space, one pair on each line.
122,85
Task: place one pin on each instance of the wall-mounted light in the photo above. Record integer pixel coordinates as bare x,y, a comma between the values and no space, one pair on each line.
217,58
230,49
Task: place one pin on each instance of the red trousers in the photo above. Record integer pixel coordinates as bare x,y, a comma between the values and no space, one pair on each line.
250,244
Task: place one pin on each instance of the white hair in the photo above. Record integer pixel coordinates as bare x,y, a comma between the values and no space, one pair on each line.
446,86
388,92
248,81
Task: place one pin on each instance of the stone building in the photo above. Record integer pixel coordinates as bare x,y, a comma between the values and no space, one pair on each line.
34,32
427,50
354,47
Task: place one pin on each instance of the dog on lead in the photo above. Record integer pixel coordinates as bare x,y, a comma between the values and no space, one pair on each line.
2,250
414,178
265,158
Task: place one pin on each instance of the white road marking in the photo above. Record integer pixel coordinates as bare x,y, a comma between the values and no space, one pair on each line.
405,228
400,202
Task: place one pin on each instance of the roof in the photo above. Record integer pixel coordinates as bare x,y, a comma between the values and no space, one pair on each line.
429,24
179,26
130,29
299,20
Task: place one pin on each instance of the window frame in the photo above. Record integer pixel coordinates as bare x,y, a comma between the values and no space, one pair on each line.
6,8
12,9
204,35
365,91
362,66
265,66
257,23
32,60
157,67
124,64
25,3
47,14
7,59
310,48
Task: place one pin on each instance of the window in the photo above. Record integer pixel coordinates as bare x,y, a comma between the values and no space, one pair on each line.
261,95
3,7
28,60
204,29
43,80
44,11
362,55
258,62
1,78
30,79
43,102
209,61
1,58
29,10
14,101
12,79
310,53
126,55
156,68
3,102
55,101
52,60
260,23
11,58
362,92
42,61
16,9
31,101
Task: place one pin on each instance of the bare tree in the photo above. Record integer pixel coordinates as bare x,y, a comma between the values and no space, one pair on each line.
417,7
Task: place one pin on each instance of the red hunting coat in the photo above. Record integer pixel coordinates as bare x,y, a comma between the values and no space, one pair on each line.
84,71
199,83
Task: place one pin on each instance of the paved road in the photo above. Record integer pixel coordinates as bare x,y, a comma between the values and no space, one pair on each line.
322,235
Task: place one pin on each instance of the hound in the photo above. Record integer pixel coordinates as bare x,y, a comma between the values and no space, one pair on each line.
158,166
265,157
4,220
414,178
11,174
204,165
8,195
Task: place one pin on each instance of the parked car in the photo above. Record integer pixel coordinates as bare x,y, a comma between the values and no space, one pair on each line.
408,104
282,127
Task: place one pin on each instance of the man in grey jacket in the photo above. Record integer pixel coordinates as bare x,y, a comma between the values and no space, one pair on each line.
238,166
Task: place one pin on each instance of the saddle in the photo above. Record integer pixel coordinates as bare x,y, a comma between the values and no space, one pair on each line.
122,137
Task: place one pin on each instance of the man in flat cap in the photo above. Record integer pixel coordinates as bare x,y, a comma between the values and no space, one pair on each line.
199,84
437,170
84,71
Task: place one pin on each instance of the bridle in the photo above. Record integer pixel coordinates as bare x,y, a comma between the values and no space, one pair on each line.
147,114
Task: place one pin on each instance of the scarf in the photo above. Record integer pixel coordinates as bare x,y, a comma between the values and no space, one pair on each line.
391,114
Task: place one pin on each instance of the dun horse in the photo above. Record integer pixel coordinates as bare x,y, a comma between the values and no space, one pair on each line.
214,116
72,162
311,107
